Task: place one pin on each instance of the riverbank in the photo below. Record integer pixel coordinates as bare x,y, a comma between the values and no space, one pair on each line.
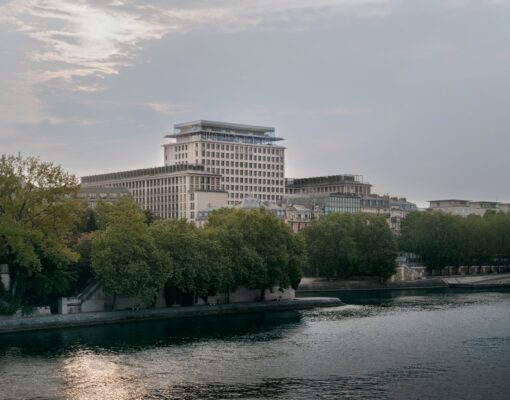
458,281
101,318
480,281
323,285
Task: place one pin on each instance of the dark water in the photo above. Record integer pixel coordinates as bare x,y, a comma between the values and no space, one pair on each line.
434,344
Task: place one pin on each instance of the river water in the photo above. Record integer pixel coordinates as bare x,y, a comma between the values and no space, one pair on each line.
426,344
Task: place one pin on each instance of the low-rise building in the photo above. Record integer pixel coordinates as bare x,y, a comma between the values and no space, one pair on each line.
298,217
247,203
464,208
92,195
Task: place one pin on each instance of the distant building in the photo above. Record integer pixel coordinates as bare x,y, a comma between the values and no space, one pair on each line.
176,191
247,203
327,203
394,209
464,208
298,217
107,194
320,185
246,157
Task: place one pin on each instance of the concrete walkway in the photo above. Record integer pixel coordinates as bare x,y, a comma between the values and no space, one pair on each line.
492,280
99,318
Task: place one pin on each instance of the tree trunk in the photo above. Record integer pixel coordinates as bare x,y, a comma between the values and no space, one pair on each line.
263,294
114,303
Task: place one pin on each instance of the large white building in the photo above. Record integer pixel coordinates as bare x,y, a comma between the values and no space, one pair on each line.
246,157
173,191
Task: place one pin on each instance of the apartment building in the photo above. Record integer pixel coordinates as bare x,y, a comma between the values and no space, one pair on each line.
246,157
467,207
172,191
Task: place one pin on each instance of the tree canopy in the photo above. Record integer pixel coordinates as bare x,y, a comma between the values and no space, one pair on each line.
448,240
38,215
346,245
125,257
261,249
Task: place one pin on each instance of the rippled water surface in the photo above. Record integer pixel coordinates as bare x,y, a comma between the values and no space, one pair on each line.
434,344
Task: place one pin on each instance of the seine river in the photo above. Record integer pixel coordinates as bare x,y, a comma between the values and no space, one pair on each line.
434,344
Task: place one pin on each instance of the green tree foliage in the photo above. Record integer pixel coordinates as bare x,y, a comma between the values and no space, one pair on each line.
345,245
448,240
261,249
377,248
125,258
38,215
198,264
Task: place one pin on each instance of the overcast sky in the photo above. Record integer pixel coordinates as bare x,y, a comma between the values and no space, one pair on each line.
414,95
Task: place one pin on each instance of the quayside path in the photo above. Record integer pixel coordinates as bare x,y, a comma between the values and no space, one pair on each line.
99,318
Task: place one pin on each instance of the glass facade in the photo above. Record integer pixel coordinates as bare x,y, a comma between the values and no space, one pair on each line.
343,205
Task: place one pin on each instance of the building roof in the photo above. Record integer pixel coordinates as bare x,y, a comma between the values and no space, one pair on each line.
224,128
167,169
226,125
329,179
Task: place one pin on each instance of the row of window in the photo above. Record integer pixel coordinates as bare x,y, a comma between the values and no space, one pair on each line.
255,188
269,197
242,164
255,181
241,172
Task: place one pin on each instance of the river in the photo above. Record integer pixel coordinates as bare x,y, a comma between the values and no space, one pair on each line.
423,344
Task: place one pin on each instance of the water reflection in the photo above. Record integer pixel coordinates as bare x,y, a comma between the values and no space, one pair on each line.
385,345
91,376
136,336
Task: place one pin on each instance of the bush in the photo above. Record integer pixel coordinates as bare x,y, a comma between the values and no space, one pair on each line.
8,307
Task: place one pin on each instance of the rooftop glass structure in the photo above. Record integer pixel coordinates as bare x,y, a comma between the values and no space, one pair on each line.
224,132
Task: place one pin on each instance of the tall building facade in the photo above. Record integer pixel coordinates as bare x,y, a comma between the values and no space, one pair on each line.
246,157
173,191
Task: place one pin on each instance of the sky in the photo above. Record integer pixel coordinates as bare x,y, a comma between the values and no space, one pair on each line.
414,95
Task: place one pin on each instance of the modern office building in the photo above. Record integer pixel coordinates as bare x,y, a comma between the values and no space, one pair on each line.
320,185
327,203
173,191
246,157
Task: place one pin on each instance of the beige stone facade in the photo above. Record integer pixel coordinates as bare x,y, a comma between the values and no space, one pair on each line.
177,191
244,156
464,208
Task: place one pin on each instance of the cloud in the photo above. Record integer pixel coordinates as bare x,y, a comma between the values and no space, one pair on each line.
76,45
167,108
82,38
79,39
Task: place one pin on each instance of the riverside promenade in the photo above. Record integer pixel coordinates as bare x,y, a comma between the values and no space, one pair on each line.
112,317
479,281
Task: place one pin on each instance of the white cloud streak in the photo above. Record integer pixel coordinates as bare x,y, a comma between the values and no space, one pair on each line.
83,38
79,43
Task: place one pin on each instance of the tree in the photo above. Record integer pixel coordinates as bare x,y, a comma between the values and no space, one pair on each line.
449,240
346,245
377,247
38,214
125,258
262,250
196,257
331,246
